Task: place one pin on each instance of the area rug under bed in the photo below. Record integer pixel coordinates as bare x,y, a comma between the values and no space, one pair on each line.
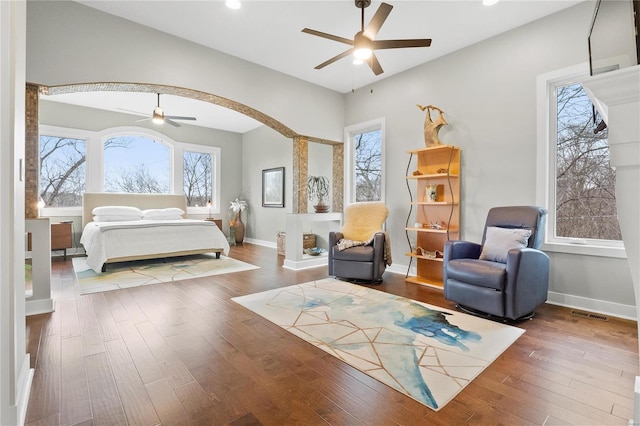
428,353
146,272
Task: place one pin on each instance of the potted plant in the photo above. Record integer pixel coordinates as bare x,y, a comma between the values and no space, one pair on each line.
318,188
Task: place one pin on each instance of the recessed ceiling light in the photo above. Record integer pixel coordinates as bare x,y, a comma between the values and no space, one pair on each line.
233,4
489,2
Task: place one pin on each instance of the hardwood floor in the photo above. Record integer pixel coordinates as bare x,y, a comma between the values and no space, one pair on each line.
184,354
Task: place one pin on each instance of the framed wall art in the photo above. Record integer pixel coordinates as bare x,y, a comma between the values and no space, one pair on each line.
273,187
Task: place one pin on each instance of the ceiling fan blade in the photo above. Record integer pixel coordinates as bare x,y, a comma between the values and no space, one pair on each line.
173,123
374,64
394,44
329,36
144,119
132,112
335,58
177,117
378,19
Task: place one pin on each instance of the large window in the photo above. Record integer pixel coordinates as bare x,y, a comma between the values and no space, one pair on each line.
198,173
585,182
136,164
125,159
364,161
576,183
62,170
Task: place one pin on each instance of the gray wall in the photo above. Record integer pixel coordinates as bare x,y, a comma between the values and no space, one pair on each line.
488,93
68,43
264,148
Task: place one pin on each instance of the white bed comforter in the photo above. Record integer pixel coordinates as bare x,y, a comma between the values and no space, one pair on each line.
107,240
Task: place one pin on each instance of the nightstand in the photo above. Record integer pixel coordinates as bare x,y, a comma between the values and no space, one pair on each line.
61,237
216,221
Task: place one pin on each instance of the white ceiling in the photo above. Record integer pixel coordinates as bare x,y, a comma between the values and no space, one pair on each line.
269,33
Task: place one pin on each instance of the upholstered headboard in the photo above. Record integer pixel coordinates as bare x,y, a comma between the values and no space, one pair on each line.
91,200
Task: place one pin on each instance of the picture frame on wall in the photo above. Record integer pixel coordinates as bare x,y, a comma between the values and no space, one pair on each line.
273,187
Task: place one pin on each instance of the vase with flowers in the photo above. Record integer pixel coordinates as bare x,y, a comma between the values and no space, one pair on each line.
235,218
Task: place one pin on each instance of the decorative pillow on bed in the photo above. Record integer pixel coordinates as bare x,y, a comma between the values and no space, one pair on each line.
115,218
499,241
170,213
117,211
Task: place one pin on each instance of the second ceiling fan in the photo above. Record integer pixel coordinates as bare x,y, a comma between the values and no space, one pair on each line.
364,42
158,116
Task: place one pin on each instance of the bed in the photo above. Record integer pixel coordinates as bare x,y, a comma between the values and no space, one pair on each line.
121,241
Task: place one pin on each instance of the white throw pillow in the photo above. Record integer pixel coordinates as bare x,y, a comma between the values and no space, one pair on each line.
166,217
117,210
163,214
499,241
115,218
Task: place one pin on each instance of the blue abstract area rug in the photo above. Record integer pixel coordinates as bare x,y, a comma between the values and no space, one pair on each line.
428,353
153,271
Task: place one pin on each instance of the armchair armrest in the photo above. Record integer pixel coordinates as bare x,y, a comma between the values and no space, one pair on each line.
334,237
528,281
461,250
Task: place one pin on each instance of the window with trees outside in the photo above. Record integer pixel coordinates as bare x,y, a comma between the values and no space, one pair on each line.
136,164
198,178
581,183
62,170
365,161
124,159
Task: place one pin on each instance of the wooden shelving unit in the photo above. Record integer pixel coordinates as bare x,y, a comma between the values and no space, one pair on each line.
439,219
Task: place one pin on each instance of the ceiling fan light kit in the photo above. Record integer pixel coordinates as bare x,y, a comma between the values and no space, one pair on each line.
158,116
364,42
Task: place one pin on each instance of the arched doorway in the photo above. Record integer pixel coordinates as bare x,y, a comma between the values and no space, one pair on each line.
300,142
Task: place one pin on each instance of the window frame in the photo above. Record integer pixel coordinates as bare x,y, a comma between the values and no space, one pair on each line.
94,163
349,157
546,166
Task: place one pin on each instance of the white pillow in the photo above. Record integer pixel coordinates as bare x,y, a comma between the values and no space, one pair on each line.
499,241
159,214
117,210
166,217
115,218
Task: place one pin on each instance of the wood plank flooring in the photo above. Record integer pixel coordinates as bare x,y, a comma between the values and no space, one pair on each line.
184,354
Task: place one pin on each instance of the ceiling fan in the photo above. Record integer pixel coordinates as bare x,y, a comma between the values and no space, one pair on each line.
158,116
364,42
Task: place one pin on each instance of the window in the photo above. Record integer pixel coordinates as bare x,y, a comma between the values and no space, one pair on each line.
197,169
62,171
137,164
576,182
364,159
585,183
124,159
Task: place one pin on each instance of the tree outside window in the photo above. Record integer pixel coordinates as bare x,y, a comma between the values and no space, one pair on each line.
62,171
585,183
136,164
198,186
368,166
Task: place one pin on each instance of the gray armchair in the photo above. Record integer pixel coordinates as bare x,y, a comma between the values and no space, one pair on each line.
506,276
365,262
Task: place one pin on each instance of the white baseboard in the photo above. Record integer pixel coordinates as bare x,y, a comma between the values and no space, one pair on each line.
25,380
41,306
593,305
263,243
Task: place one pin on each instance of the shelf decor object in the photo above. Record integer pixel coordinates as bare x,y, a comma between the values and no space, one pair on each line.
436,183
432,127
